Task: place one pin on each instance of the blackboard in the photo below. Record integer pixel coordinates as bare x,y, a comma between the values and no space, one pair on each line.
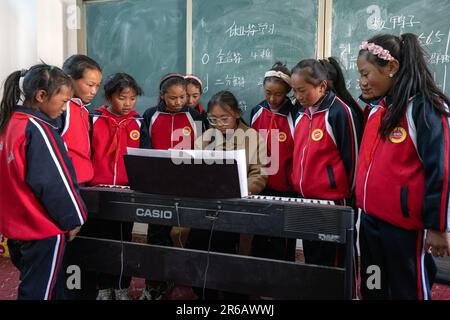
357,21
143,38
236,41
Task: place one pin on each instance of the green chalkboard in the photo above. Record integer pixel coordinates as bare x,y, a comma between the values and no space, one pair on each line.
143,38
236,41
357,21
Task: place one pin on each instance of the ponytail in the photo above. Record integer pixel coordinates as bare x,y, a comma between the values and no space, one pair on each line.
337,83
11,96
38,77
413,77
315,71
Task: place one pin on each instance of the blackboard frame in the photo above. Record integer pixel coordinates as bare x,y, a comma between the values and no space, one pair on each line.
318,48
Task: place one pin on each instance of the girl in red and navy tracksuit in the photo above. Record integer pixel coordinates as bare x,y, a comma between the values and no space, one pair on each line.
115,127
193,94
86,75
40,204
172,125
326,138
274,119
402,178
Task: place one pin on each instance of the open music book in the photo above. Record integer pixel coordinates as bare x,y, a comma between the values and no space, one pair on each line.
190,173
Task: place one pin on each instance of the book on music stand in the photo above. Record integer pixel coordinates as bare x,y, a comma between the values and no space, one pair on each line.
188,173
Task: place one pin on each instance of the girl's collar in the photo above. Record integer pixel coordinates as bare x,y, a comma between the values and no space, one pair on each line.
285,109
322,104
37,114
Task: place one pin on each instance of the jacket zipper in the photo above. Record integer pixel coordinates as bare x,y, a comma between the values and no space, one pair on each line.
88,129
171,131
303,154
365,185
116,160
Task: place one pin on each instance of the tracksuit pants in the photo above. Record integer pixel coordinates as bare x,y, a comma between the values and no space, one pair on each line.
406,270
40,265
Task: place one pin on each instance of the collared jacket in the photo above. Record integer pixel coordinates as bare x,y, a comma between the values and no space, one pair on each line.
325,150
39,194
168,130
110,137
243,138
403,179
267,123
75,133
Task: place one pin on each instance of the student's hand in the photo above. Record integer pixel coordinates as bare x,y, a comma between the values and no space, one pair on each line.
72,233
438,243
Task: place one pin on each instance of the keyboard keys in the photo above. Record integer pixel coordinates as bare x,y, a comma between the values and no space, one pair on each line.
286,199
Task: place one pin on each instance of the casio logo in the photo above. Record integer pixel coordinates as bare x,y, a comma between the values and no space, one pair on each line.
329,237
154,213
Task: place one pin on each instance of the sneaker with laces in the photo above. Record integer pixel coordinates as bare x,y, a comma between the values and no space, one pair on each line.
105,294
156,291
122,294
151,294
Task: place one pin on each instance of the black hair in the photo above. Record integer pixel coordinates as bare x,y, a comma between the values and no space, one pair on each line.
279,66
39,77
118,82
224,99
76,65
195,83
315,71
413,77
169,80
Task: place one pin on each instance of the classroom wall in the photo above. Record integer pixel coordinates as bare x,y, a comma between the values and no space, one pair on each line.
35,30
18,36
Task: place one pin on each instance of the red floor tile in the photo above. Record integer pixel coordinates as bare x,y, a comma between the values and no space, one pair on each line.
9,280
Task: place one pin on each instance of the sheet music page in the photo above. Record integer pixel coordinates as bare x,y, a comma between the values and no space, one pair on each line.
203,156
219,156
239,155
149,152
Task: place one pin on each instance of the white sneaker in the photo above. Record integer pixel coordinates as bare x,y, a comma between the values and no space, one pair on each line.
105,294
122,294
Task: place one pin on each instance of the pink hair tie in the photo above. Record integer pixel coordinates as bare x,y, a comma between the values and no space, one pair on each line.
377,50
191,76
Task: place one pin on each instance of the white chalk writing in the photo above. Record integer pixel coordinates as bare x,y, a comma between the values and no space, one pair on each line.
250,30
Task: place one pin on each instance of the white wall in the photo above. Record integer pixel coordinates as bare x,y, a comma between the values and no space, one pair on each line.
18,35
35,30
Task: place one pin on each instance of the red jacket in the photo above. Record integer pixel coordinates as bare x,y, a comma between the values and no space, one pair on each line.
325,150
264,119
39,196
404,178
75,134
111,135
172,130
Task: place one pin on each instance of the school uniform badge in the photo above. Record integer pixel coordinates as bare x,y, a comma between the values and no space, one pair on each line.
282,136
317,135
135,135
398,135
187,130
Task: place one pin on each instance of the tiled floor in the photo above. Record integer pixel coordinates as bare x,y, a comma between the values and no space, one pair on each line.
9,279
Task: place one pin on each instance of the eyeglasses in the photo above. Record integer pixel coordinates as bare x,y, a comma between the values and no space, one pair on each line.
222,120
